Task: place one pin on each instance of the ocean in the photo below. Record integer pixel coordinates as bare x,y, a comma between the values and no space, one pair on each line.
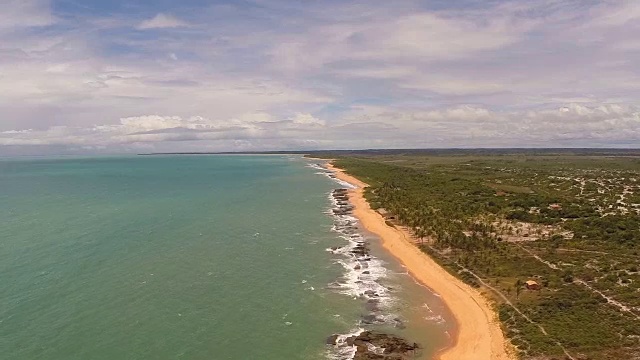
191,257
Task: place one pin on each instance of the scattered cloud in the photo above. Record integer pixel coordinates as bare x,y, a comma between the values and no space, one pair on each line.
341,74
162,21
463,126
307,119
21,14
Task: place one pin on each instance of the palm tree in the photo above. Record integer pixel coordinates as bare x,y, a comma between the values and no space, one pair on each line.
518,286
421,233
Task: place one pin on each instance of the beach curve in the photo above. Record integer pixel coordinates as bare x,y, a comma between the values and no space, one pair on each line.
478,336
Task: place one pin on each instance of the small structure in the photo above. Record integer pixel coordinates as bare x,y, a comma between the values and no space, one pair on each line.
385,214
532,285
555,207
382,212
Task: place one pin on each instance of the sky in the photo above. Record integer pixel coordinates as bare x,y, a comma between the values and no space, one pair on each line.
125,76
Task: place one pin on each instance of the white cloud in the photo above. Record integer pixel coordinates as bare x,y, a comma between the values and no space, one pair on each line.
162,21
307,119
14,132
19,14
346,75
414,37
615,13
461,126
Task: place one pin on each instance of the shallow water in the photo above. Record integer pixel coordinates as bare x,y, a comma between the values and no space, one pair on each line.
175,257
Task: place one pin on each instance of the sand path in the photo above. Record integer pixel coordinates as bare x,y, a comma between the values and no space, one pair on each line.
479,336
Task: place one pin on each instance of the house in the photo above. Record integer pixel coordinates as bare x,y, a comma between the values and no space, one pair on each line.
555,207
532,285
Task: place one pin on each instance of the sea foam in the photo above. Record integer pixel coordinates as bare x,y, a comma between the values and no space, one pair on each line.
364,274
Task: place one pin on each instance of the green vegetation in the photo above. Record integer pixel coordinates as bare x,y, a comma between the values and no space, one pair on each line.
569,222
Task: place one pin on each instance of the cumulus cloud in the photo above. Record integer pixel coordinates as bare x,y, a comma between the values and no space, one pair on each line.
162,21
462,126
307,119
157,128
571,125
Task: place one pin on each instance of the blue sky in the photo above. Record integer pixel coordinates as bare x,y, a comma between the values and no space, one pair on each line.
132,76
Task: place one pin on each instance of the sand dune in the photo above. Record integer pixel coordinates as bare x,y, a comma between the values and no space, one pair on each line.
479,336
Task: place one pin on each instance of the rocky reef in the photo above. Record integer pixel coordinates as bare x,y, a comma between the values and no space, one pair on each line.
374,345
364,272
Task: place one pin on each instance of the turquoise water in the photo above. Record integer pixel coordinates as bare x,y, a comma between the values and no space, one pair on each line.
168,257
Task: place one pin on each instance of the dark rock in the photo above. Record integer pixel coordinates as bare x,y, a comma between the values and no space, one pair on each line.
340,212
372,305
359,251
331,340
371,293
392,347
350,340
369,319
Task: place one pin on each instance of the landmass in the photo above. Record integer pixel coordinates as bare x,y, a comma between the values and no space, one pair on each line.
546,242
478,333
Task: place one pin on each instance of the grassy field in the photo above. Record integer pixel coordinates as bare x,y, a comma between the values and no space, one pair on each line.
570,222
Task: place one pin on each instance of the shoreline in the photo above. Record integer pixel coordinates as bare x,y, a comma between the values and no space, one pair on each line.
478,335
363,278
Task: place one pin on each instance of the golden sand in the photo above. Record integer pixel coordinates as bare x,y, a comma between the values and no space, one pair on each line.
478,336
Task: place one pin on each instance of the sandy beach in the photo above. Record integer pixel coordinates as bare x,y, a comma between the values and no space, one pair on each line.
478,336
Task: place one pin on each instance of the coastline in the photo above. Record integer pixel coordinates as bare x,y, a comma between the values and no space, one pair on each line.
364,279
478,335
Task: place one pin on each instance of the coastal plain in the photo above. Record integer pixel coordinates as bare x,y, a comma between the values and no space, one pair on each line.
550,238
478,335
